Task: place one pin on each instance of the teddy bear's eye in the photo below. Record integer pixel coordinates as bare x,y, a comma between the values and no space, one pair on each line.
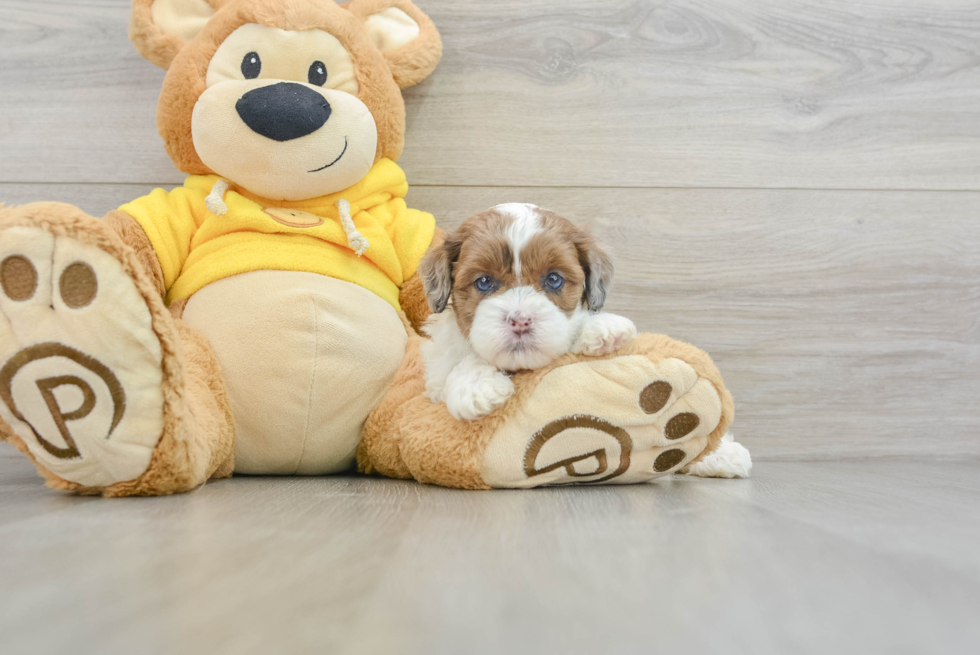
317,74
251,66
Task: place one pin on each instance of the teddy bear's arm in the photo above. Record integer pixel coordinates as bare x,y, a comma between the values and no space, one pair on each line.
133,236
165,223
412,294
412,299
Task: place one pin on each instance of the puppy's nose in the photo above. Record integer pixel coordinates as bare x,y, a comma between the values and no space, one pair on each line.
520,323
283,111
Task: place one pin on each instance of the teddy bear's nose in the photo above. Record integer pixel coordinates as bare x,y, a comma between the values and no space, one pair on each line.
283,111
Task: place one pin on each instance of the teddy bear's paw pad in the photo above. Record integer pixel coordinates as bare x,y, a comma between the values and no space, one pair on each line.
80,365
619,420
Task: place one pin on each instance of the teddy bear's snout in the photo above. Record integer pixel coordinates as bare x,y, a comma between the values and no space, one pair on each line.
283,111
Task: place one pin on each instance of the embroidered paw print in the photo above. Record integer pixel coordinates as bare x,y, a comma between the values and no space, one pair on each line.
80,365
620,420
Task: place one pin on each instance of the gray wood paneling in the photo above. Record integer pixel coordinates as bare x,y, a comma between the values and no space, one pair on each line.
78,102
845,322
727,93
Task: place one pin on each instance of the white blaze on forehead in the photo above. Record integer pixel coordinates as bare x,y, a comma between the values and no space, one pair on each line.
525,225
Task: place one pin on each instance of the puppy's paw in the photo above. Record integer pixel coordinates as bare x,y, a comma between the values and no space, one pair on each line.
475,388
730,460
603,334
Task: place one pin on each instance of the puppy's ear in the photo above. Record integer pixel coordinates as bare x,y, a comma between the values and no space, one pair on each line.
598,268
160,28
436,271
405,36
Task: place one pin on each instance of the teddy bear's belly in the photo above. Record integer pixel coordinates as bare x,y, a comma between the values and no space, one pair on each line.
305,358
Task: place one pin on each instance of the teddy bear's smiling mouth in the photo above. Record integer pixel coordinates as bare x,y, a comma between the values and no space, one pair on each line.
316,170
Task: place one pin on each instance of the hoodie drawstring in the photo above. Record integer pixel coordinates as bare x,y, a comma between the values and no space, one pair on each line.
215,202
355,239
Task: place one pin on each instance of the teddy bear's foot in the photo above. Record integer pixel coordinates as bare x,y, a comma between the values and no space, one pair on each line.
628,418
656,406
82,367
81,377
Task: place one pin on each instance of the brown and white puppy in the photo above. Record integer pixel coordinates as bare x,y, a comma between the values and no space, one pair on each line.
513,288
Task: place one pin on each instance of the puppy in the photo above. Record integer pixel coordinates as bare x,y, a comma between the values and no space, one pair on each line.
513,288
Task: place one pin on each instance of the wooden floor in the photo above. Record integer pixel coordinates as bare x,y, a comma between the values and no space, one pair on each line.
793,185
863,556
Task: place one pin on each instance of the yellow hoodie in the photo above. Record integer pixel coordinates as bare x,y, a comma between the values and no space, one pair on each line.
196,247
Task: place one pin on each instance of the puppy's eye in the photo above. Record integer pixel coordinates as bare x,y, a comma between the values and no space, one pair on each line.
317,74
554,282
251,66
484,284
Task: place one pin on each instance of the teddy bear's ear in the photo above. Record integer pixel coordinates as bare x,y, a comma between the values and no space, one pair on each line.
404,35
160,28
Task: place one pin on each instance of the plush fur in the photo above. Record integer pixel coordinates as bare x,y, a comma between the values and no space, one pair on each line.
409,64
405,436
153,43
198,430
378,75
412,297
198,433
130,232
409,437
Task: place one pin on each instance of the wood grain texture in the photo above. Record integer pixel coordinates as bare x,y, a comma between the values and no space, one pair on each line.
853,557
844,322
78,102
721,93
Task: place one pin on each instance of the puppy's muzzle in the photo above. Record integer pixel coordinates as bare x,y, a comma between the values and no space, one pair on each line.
283,111
520,323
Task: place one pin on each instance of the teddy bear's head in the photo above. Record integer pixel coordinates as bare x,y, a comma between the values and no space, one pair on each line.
289,99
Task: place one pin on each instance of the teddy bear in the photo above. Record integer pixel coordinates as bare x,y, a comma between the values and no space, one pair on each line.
263,318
